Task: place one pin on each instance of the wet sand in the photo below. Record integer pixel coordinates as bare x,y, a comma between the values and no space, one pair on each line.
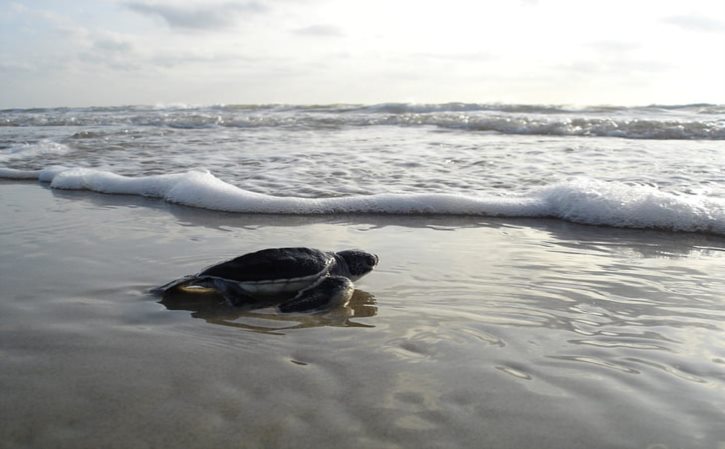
471,333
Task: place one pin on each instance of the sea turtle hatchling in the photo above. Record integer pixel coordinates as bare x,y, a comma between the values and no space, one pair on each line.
318,278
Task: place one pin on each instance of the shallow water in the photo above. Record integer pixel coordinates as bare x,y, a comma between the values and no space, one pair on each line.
471,333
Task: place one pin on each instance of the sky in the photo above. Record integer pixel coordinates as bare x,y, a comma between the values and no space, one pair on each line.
573,52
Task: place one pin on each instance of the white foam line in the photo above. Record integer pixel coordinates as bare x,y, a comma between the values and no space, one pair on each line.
204,190
580,200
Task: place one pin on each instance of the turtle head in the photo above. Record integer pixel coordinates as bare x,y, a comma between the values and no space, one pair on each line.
358,263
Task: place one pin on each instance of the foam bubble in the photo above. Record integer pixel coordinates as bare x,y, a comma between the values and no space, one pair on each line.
581,200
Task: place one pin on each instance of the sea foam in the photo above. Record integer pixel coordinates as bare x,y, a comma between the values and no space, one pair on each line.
581,200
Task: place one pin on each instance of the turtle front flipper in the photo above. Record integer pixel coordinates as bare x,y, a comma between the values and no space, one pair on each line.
328,292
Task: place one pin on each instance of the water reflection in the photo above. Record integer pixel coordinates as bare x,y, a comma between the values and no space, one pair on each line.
263,318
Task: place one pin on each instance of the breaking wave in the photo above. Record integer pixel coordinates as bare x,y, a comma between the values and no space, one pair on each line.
581,200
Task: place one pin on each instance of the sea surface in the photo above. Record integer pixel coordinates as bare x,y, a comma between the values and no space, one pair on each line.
644,167
549,277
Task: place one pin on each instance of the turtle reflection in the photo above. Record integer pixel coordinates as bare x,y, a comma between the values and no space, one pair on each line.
260,316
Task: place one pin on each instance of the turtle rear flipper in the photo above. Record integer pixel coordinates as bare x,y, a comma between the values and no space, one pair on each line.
177,283
233,292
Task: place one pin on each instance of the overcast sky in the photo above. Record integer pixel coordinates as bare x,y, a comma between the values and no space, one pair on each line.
119,52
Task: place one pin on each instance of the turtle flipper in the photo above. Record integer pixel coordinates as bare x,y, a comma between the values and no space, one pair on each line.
233,292
177,283
331,291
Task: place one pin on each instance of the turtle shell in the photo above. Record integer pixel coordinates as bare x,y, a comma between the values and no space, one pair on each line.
274,270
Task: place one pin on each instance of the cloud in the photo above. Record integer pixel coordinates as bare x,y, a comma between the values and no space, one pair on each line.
614,67
228,60
13,66
110,50
112,44
320,31
196,17
696,23
475,56
610,46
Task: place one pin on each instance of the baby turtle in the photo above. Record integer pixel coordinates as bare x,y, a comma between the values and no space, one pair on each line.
278,272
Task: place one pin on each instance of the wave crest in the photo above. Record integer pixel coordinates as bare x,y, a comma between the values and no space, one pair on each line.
581,200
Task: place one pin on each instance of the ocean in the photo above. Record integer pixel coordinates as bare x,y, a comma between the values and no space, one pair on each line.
549,276
650,167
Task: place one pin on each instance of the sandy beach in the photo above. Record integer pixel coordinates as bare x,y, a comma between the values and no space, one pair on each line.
471,333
